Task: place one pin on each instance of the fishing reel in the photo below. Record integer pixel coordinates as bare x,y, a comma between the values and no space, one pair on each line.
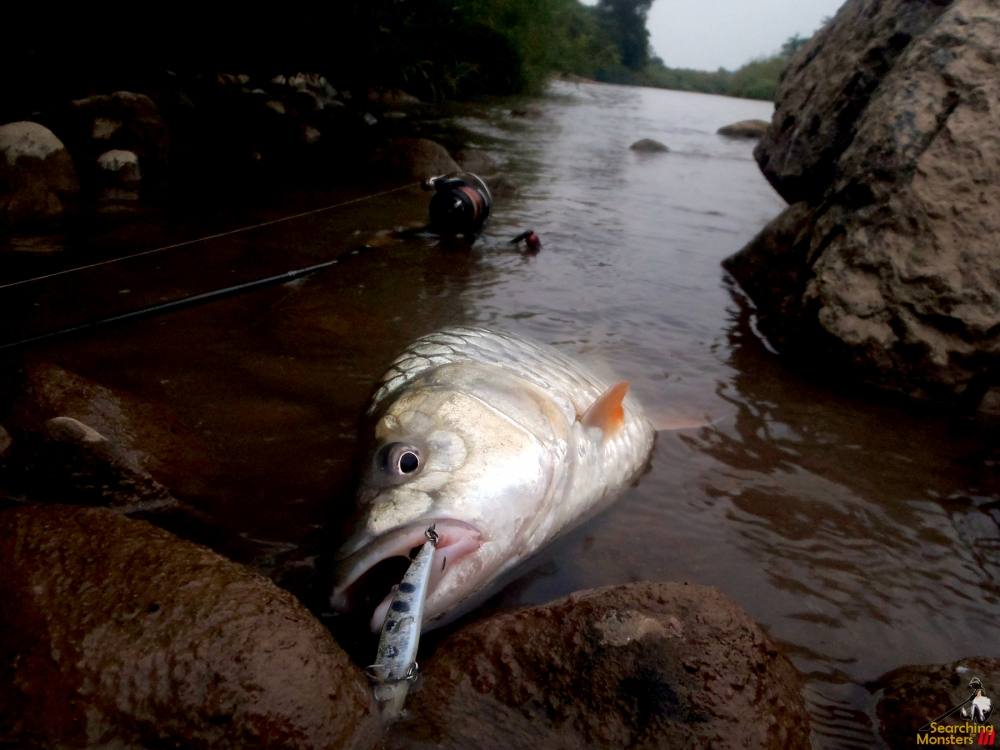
460,205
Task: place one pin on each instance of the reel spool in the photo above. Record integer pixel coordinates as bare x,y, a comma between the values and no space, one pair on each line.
460,205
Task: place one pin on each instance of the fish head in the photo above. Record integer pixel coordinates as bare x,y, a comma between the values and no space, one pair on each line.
471,450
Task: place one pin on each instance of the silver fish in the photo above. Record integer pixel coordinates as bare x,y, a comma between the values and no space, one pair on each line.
395,664
500,442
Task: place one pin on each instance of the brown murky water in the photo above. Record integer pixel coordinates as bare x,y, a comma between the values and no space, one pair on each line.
862,534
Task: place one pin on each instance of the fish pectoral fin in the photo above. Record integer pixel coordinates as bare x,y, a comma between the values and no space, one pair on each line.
607,413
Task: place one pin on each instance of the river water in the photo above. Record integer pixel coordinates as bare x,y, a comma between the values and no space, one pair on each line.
859,531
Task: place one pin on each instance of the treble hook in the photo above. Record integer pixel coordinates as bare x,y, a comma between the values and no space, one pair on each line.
432,536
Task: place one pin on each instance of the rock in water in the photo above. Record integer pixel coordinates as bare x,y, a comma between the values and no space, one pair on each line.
887,139
745,129
37,178
119,175
648,665
117,634
910,697
123,120
649,146
415,158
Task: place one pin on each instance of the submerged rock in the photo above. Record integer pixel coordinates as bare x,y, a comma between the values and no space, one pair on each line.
414,157
886,137
910,697
37,178
143,435
117,634
71,460
745,129
649,146
645,665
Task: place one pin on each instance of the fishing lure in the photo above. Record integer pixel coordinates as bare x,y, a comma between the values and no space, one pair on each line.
395,666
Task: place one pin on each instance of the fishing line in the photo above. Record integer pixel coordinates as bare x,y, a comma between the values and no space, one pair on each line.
206,238
177,304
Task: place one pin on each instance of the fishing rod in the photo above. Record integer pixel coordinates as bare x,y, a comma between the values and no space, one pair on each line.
205,238
177,304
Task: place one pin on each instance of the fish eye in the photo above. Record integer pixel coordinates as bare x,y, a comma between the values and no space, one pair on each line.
399,459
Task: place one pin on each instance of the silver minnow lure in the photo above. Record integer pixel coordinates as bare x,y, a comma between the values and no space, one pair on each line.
503,444
395,664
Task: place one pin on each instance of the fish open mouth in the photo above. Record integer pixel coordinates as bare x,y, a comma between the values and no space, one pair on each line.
365,578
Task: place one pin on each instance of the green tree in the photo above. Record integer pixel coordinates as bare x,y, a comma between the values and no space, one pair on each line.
625,22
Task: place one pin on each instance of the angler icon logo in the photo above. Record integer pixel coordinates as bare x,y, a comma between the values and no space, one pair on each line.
964,723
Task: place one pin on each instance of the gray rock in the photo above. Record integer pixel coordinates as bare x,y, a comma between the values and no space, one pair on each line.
751,129
117,634
37,178
827,86
887,134
644,665
649,146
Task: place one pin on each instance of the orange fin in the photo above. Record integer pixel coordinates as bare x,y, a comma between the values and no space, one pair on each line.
607,413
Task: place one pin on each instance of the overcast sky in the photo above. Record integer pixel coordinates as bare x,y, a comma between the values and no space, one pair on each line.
708,34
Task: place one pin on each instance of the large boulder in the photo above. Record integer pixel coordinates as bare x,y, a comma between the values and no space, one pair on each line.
646,665
909,698
886,138
37,178
117,634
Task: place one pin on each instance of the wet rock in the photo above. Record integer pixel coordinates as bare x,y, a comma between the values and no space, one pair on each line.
989,405
648,146
123,120
392,98
644,665
72,460
745,129
414,157
145,436
887,137
118,175
530,112
37,178
311,136
117,634
910,697
478,162
502,187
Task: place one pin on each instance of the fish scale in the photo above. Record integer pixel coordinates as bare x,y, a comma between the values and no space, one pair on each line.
520,356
